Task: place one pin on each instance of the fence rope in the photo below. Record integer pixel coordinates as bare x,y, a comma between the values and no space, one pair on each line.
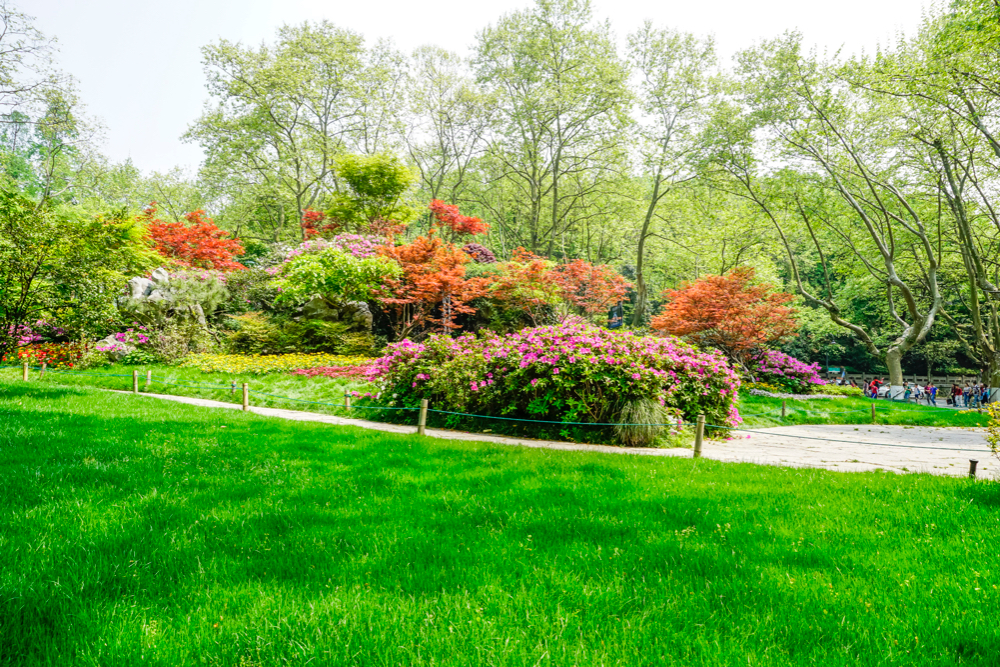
562,423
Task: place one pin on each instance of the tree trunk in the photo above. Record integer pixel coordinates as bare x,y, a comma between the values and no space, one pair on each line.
893,359
992,378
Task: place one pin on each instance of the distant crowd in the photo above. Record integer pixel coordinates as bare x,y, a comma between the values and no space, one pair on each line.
970,396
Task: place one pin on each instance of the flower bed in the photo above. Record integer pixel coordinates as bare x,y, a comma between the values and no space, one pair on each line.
347,372
53,355
261,364
567,373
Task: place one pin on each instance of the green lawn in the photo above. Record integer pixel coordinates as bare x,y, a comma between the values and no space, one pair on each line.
303,393
763,411
135,531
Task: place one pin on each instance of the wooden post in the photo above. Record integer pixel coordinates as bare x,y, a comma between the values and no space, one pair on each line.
972,468
782,409
149,379
422,421
135,381
699,435
232,387
347,400
41,373
873,412
246,396
24,376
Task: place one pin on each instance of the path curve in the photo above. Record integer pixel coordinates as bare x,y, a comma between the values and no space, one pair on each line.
767,446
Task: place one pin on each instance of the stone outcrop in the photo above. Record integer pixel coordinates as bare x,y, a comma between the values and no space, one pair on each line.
149,300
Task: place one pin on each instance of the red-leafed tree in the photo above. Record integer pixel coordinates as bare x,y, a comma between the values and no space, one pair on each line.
316,223
433,288
542,288
198,242
448,217
730,312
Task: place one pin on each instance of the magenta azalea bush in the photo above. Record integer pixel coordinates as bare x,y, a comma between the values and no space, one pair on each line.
787,372
567,373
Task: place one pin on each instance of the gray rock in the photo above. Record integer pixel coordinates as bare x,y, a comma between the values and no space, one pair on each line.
358,314
140,287
160,276
319,308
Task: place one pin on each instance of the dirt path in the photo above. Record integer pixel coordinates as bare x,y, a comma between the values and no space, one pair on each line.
858,448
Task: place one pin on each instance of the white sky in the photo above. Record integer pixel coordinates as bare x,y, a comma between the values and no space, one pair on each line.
138,62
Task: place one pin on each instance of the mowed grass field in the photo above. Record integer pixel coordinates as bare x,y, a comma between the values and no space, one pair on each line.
141,532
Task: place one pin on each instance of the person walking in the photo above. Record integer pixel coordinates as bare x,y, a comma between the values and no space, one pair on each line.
956,395
931,393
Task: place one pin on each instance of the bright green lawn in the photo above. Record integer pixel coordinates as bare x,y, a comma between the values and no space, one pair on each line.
850,411
314,394
140,532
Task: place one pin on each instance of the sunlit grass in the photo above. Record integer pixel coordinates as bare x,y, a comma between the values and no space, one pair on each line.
144,532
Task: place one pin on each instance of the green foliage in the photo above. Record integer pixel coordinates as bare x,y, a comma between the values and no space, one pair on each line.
377,185
63,264
333,274
250,290
254,333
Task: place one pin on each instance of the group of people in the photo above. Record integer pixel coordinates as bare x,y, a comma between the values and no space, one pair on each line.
971,395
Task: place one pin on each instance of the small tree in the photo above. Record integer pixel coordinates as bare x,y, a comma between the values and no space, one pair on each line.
447,216
433,283
199,243
730,312
542,288
63,265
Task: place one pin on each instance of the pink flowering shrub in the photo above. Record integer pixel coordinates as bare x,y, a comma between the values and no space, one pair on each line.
787,372
566,373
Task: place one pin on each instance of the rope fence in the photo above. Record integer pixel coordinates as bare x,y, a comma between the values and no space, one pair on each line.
424,409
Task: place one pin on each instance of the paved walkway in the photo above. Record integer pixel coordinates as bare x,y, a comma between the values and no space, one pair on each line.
860,448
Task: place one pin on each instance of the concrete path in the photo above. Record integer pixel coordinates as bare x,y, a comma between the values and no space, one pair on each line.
860,448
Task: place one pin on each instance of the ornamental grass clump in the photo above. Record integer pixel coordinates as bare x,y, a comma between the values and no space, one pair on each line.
570,374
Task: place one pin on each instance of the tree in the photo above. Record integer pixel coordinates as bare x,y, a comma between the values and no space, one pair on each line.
63,264
432,289
731,312
283,114
555,148
544,289
674,83
819,137
333,274
375,185
199,243
448,116
448,217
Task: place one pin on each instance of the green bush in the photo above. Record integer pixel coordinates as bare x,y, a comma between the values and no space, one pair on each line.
254,333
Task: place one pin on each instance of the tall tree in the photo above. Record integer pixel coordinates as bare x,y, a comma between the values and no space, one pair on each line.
561,108
282,114
675,81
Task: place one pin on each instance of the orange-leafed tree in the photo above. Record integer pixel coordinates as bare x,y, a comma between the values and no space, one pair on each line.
433,289
544,289
733,313
448,217
196,242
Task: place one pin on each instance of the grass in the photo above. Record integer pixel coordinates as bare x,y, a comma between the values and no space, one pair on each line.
136,531
319,394
764,411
